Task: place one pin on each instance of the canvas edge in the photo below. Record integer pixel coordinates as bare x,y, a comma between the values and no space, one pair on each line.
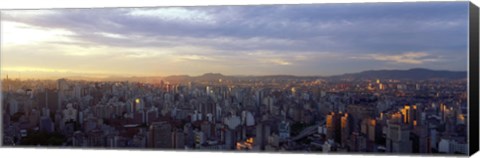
473,105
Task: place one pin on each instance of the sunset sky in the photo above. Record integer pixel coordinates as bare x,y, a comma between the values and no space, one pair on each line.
322,39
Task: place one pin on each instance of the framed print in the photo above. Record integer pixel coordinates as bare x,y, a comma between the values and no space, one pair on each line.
372,78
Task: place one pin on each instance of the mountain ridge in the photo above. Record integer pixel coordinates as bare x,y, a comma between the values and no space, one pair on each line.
413,74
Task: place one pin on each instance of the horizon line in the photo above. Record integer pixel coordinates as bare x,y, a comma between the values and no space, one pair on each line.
106,76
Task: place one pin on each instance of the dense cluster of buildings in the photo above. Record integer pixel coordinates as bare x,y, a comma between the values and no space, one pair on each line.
398,116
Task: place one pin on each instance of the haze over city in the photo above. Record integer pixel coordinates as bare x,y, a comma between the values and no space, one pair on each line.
328,39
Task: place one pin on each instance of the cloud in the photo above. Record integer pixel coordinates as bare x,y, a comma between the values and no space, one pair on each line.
279,62
15,33
302,38
112,35
403,58
188,58
340,27
176,14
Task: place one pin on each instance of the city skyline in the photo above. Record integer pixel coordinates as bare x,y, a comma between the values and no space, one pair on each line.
387,78
301,40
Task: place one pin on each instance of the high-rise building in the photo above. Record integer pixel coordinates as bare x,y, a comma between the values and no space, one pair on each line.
51,100
333,127
61,88
199,137
160,135
178,139
358,112
13,106
206,128
371,129
189,135
398,138
423,144
229,139
77,91
284,130
409,113
346,122
259,136
46,124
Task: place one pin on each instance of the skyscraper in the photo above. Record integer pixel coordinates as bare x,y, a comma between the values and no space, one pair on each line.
61,87
160,135
333,127
345,129
178,139
398,138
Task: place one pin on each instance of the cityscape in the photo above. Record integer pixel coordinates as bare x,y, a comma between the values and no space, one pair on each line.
255,113
321,78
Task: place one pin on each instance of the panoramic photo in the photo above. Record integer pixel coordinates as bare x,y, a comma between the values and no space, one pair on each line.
319,78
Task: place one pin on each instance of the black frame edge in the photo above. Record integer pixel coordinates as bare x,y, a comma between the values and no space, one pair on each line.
473,106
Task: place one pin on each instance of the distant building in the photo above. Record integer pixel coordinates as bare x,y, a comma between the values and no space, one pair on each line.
62,86
178,139
160,135
398,138
13,106
333,125
346,126
199,138
260,136
284,130
69,114
452,146
46,124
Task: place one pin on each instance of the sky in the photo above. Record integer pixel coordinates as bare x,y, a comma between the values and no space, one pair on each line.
303,39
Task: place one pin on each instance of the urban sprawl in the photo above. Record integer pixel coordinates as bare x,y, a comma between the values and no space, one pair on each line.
276,113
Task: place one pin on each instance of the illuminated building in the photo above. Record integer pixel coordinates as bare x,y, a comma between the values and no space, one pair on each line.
345,129
372,129
138,105
461,119
409,114
370,87
333,127
245,145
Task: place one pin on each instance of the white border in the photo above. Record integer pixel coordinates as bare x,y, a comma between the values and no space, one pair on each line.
32,4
